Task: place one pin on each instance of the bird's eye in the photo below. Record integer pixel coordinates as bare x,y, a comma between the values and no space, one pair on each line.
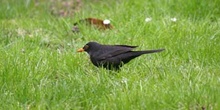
85,47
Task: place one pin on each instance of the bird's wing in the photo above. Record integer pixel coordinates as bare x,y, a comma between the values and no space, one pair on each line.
111,51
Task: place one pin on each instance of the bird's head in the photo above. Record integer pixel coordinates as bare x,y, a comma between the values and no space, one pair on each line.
91,46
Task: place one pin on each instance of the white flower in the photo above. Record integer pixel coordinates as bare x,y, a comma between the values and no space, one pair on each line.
148,19
173,19
106,21
69,44
124,80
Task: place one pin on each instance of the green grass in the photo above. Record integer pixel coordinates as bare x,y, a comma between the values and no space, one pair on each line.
40,68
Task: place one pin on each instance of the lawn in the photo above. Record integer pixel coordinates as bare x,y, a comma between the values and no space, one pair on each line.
40,68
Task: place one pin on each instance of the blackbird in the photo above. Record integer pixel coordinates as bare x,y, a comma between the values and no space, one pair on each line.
112,57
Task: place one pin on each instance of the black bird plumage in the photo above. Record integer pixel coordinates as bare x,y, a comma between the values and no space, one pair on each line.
112,57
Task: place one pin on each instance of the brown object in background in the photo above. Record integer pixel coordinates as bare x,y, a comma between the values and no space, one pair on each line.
100,24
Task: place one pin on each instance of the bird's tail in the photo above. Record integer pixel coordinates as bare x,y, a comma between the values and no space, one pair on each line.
133,54
150,51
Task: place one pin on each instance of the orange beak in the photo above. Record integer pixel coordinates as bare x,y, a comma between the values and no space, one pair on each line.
80,50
